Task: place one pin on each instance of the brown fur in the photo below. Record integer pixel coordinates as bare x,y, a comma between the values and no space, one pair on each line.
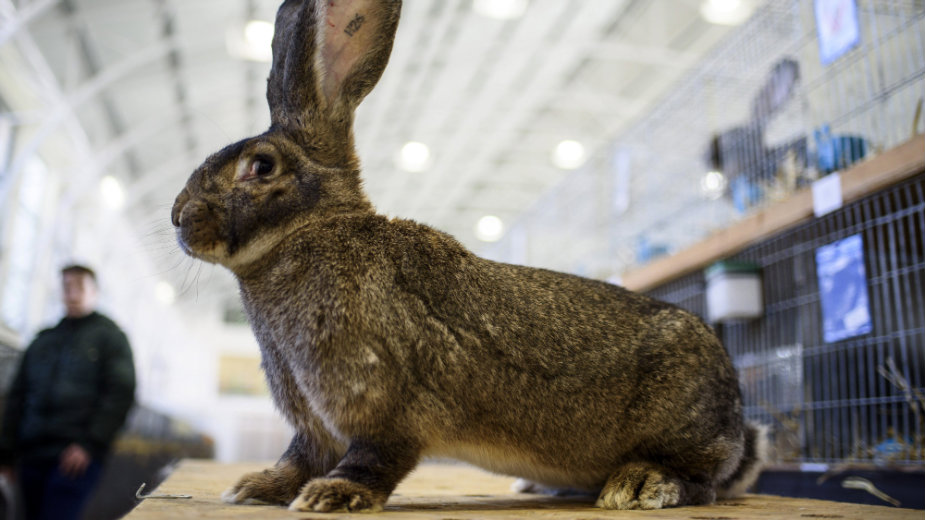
384,340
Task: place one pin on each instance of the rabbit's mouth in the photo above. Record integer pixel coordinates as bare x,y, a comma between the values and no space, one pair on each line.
199,231
207,250
183,245
212,252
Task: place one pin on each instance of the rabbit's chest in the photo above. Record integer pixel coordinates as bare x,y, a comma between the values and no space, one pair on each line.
320,359
341,384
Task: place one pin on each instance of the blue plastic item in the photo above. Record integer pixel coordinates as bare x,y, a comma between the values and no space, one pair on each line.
745,194
839,151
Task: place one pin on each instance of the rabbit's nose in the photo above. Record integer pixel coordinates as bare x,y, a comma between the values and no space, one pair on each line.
178,206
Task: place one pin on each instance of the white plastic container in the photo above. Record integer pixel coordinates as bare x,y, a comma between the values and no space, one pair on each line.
734,291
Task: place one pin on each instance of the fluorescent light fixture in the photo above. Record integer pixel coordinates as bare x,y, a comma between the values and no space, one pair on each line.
568,155
258,33
414,157
500,9
251,41
725,12
713,184
489,229
165,293
112,193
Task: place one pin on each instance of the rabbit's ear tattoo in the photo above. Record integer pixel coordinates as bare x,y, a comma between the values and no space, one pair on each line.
327,55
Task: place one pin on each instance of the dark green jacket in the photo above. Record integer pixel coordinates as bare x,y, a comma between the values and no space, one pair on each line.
76,383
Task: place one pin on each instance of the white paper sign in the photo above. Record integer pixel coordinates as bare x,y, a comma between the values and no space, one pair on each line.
827,194
838,28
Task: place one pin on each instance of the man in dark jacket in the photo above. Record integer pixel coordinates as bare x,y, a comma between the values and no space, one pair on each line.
71,395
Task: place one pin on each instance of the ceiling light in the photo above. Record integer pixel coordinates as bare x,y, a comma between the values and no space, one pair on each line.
252,41
500,9
258,33
414,157
713,184
569,155
725,12
111,191
165,293
489,228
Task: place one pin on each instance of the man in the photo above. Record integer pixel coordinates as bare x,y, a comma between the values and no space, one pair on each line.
70,396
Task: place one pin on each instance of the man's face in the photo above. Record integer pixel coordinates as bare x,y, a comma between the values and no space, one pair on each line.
79,294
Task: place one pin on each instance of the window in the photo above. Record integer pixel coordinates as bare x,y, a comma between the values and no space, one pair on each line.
21,243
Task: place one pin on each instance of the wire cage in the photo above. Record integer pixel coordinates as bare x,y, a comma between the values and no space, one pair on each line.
856,399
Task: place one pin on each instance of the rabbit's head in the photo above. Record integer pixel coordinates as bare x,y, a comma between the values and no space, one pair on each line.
243,200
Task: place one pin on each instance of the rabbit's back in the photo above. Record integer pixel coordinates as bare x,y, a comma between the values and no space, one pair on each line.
577,375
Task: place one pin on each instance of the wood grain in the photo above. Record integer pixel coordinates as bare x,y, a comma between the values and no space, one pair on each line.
455,492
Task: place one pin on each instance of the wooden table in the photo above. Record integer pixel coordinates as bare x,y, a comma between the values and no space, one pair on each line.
454,492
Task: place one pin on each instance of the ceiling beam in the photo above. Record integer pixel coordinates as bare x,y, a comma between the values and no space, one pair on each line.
175,60
62,109
386,107
252,91
155,178
660,56
16,19
44,78
573,41
90,58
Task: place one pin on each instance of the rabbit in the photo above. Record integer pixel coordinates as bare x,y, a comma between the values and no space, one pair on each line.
385,341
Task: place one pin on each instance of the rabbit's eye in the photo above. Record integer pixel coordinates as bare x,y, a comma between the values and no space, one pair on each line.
261,166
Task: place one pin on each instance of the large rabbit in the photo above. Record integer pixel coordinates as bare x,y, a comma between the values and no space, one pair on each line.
385,341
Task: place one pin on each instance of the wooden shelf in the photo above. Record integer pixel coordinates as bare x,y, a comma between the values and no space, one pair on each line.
862,179
444,491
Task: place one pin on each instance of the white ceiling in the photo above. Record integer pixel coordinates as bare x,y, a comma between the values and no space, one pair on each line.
144,90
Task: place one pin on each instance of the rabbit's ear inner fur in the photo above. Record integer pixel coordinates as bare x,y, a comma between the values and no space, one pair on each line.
327,55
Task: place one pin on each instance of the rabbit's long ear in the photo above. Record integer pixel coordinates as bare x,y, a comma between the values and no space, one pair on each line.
327,55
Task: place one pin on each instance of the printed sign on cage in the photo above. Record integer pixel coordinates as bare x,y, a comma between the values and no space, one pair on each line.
843,289
837,27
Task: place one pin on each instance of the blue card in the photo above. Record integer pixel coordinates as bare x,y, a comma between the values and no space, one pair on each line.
843,289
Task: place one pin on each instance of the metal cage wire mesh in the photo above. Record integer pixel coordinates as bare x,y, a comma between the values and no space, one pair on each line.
645,196
861,399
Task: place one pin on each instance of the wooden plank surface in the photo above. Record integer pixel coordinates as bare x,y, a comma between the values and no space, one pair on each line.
455,492
862,179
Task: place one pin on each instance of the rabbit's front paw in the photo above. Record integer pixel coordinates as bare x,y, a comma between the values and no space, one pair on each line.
640,486
271,486
337,494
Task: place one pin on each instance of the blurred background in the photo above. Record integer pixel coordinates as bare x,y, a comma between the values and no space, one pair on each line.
590,136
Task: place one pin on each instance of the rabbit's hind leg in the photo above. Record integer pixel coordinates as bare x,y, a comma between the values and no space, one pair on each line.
645,485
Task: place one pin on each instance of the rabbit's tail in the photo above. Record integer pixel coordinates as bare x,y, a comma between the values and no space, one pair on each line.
753,460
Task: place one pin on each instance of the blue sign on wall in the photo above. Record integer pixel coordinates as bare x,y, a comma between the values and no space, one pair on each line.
843,289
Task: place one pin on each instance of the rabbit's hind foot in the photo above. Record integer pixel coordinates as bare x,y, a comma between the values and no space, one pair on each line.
642,485
278,485
325,495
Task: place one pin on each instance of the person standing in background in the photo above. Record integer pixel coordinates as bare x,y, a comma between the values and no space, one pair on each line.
71,395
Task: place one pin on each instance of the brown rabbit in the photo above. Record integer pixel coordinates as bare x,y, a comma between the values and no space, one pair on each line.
385,341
